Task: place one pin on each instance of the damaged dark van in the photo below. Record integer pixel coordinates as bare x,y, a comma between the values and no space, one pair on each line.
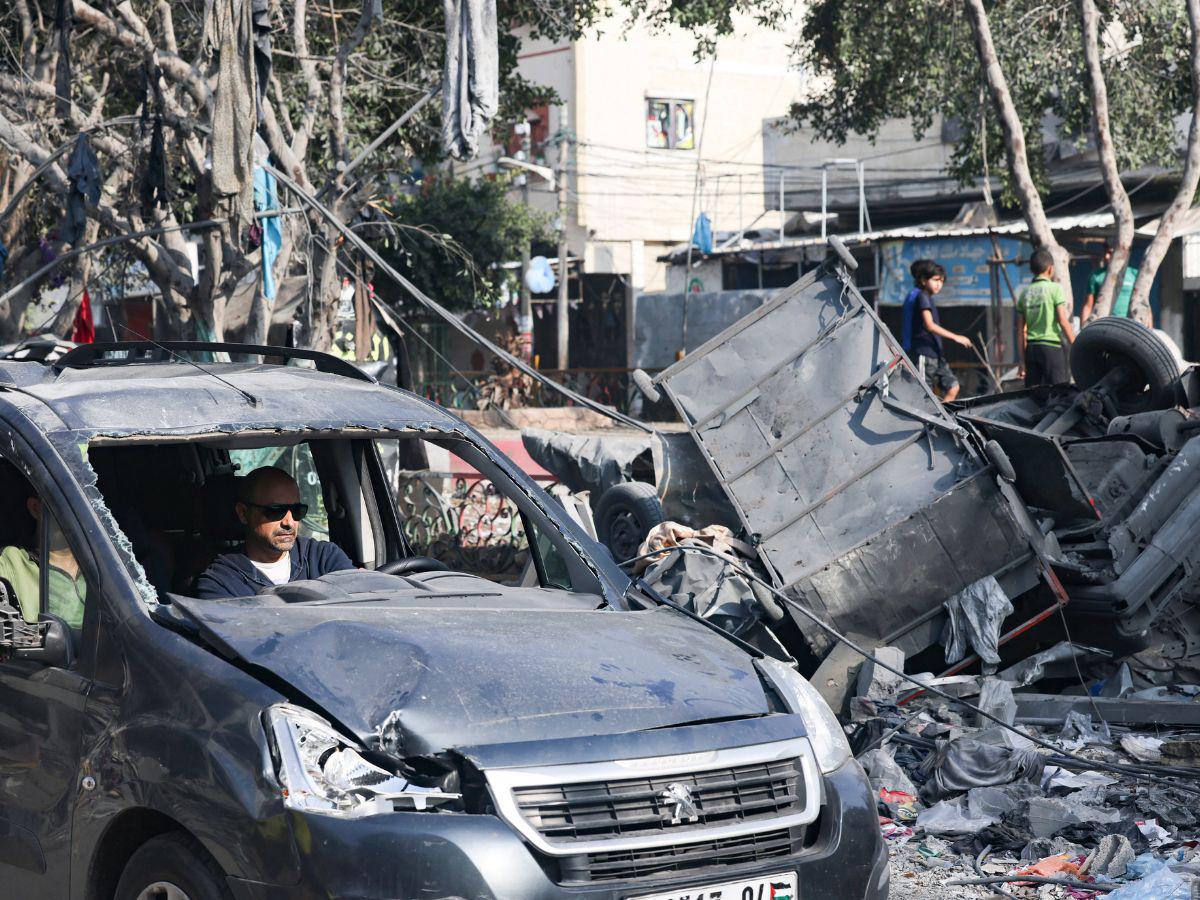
483,705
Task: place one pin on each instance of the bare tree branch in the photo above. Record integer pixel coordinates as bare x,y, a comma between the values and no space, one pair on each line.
1015,147
1139,303
1107,160
312,81
337,82
173,66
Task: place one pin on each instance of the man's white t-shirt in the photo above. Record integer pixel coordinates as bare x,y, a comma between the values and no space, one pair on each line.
276,572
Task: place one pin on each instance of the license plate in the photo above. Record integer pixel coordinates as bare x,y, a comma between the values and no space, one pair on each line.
769,887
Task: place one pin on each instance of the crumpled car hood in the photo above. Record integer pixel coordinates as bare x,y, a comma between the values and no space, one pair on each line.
419,681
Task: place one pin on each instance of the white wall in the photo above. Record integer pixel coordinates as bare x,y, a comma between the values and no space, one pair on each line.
629,203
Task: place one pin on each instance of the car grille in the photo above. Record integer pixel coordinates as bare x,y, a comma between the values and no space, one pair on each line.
563,813
624,865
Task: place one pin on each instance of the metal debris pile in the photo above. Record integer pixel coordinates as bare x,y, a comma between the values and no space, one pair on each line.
987,809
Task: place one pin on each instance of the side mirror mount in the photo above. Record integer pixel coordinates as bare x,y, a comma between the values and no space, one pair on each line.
55,648
46,641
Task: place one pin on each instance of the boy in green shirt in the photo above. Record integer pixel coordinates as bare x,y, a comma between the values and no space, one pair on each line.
1120,306
1042,324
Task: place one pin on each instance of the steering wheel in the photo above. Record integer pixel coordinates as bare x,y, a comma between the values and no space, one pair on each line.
411,565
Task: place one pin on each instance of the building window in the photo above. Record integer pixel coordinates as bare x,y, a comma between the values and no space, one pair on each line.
669,124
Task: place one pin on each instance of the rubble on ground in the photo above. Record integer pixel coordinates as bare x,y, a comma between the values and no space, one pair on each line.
970,808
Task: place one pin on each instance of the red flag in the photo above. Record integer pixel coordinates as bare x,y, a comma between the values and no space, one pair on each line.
83,331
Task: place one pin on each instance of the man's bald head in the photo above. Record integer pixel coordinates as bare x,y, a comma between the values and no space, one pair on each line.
268,484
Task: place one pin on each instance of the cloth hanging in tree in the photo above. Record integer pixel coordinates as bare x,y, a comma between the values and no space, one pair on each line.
260,13
155,191
83,173
229,33
702,234
471,77
155,187
83,331
266,197
64,19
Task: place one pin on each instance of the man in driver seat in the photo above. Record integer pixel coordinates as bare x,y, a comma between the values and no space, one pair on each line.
274,553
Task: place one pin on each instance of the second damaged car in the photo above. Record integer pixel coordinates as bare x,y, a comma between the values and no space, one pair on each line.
450,716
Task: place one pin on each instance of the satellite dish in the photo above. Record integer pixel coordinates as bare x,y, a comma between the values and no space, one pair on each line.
539,277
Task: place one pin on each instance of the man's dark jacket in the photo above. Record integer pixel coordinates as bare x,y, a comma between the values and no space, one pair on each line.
233,575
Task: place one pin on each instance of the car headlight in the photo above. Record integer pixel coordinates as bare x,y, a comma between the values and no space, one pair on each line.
321,772
824,730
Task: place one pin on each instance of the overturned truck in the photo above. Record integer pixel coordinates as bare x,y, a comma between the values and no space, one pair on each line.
871,503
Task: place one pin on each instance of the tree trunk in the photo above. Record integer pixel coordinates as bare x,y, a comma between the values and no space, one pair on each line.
325,292
1107,158
1139,304
1014,145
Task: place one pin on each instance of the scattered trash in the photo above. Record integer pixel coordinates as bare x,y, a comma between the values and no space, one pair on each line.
1061,656
1111,857
876,682
1050,815
885,773
987,759
996,698
1157,883
952,817
1142,747
975,616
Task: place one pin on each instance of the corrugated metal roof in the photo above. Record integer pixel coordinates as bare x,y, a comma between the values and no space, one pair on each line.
931,230
1189,223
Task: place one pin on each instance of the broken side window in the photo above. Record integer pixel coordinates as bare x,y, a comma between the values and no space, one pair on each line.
452,512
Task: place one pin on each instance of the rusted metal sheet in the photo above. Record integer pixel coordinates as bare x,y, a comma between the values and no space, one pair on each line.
868,500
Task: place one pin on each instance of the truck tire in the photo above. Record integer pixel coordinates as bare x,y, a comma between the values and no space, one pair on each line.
174,866
1109,342
624,516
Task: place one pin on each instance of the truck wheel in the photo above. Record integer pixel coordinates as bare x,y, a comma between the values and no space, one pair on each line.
624,516
172,867
1110,342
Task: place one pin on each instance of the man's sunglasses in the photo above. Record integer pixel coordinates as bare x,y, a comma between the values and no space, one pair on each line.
273,512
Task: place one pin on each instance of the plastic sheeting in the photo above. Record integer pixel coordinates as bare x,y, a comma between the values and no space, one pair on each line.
976,614
992,757
711,588
1034,668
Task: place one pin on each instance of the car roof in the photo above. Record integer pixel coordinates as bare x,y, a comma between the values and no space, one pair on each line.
176,398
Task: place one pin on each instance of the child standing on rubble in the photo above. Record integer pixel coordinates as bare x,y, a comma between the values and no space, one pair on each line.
922,331
1042,324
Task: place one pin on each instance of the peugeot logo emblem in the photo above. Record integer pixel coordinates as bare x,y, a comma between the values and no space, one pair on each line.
679,802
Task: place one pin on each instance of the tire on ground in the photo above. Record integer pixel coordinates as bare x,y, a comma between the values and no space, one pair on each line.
624,516
177,860
1110,342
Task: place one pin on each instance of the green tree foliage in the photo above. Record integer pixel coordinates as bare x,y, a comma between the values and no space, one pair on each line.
869,62
455,236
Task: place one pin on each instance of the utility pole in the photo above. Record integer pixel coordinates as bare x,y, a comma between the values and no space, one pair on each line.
525,319
562,308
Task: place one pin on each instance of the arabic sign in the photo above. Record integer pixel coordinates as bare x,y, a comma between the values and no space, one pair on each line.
968,281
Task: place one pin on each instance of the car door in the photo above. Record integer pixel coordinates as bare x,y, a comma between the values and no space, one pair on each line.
41,718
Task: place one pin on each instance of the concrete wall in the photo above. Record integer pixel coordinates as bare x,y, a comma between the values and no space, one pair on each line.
668,323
